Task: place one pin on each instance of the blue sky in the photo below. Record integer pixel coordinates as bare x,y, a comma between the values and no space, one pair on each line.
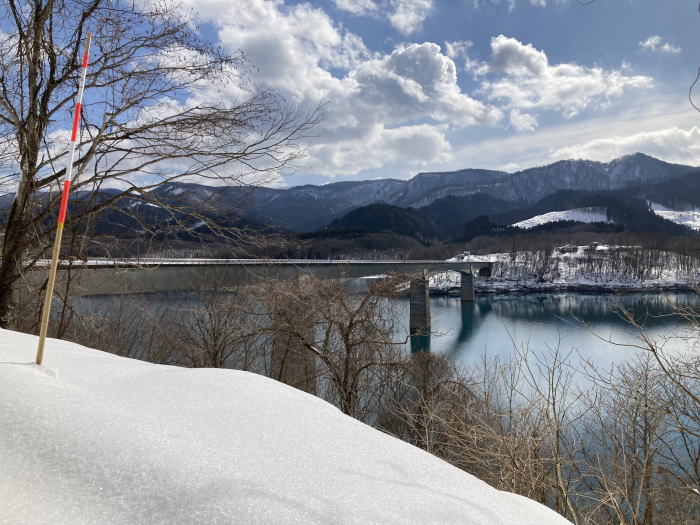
431,85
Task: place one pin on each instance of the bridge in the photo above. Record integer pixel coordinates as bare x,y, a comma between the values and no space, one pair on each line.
119,276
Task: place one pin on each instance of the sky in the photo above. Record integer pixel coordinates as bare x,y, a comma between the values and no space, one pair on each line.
410,86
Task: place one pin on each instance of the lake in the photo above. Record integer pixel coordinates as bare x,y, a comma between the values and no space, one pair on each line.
493,323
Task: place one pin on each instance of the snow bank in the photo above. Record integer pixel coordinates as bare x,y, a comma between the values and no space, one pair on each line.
95,438
579,215
593,267
690,218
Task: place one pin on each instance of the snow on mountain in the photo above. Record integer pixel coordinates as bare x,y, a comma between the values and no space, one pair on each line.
529,185
136,203
91,437
578,214
689,218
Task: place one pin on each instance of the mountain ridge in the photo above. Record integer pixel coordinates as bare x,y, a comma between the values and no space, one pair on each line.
307,208
443,200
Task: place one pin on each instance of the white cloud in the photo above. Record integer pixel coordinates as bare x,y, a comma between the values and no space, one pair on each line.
376,104
458,48
357,7
417,81
529,81
510,167
522,121
578,139
291,47
510,56
512,3
408,15
418,145
673,144
402,108
656,44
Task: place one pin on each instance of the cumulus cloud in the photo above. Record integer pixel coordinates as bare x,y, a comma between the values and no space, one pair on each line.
522,121
458,48
379,108
406,16
528,80
417,145
510,56
398,107
415,81
673,144
357,7
656,44
291,47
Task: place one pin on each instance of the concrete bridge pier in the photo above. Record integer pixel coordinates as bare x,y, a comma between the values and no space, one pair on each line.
419,315
467,286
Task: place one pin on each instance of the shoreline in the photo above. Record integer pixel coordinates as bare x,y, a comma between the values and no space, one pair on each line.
524,288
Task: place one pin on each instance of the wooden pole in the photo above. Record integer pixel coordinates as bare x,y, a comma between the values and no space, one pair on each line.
56,251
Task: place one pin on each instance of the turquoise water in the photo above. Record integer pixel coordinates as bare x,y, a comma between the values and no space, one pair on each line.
494,324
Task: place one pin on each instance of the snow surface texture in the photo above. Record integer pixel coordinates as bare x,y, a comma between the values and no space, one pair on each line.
594,267
94,438
689,218
578,215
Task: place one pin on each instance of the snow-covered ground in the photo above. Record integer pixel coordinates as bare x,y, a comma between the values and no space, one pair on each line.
90,437
596,267
689,218
578,215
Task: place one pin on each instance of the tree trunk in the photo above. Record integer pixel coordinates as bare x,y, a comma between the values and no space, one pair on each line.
13,244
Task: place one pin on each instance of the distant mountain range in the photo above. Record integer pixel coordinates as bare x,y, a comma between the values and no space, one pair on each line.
433,206
309,208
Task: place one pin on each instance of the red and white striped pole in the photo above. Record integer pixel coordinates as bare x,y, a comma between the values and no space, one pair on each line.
46,312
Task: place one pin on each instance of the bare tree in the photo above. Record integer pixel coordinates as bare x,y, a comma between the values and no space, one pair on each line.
681,388
161,105
127,326
625,430
350,337
221,330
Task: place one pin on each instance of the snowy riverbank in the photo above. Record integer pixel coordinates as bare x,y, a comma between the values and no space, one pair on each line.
94,438
579,268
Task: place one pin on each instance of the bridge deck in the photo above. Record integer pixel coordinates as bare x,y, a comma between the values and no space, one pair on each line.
152,262
157,275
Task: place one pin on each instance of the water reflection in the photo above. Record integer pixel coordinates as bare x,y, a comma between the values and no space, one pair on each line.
589,307
420,343
471,312
495,323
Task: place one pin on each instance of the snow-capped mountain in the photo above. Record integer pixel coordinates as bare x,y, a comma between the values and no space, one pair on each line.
631,170
309,207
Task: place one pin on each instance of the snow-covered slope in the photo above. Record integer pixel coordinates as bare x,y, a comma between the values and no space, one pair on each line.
593,267
94,438
690,218
578,215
